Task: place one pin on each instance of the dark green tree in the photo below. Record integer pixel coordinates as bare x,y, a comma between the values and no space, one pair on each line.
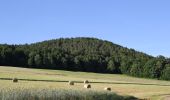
166,72
38,60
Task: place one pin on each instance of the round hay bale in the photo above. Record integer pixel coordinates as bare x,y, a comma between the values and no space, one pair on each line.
86,82
107,89
71,83
15,80
87,86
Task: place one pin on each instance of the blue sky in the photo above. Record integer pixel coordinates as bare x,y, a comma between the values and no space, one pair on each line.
140,24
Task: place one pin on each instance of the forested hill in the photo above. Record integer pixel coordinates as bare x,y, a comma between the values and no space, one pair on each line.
85,54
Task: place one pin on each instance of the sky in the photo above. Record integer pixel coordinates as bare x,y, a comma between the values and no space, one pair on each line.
140,24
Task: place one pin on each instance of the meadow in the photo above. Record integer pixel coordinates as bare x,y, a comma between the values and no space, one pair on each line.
41,79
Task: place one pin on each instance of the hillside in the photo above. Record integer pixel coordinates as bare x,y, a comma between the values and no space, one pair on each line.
85,54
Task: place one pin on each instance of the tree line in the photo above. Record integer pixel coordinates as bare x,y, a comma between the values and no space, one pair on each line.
85,54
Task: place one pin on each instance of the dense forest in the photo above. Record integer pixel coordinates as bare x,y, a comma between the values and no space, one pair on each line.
85,54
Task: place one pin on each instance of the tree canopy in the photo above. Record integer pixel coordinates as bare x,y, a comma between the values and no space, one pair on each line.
85,54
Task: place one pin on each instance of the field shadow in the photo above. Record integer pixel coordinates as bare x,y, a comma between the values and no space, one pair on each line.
90,82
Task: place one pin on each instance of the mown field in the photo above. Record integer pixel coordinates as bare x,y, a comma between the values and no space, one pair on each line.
56,79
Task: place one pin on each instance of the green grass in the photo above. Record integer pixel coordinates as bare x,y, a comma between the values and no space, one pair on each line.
54,94
120,84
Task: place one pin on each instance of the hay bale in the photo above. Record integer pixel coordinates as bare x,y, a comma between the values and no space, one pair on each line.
107,88
86,82
15,80
71,83
87,86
